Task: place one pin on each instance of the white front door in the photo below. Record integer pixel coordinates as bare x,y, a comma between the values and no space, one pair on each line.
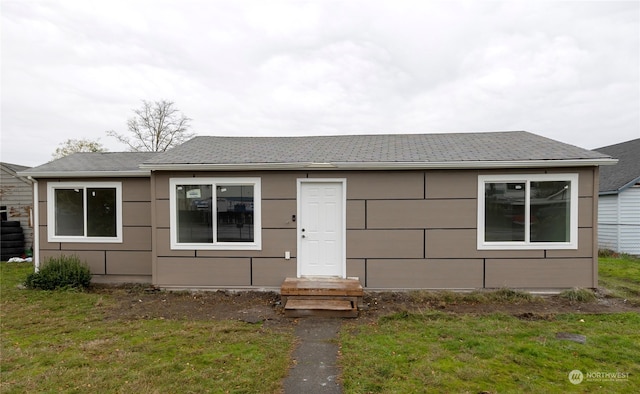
321,227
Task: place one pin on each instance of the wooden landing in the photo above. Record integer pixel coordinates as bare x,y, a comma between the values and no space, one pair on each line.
327,297
349,287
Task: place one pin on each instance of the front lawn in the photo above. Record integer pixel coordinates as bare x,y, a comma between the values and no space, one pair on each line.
62,341
621,276
436,351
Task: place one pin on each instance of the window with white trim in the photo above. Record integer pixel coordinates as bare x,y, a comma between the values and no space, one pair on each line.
528,211
84,211
215,213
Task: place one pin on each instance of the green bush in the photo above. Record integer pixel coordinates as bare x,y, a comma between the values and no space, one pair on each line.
578,295
64,272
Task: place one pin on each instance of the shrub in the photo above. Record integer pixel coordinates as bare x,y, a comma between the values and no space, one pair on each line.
607,253
64,272
578,295
509,295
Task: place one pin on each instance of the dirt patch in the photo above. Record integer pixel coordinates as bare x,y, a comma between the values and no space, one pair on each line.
136,302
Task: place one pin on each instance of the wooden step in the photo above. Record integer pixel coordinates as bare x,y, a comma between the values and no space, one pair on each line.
303,307
333,305
349,287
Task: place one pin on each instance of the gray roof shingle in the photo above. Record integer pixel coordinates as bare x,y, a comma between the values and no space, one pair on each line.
94,162
384,148
626,172
14,167
506,147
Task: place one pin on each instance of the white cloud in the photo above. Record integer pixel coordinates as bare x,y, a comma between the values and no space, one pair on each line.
567,70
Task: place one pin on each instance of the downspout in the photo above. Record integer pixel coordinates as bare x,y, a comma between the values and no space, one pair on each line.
36,226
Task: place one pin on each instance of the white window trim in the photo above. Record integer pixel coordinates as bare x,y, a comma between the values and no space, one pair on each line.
51,216
527,244
257,216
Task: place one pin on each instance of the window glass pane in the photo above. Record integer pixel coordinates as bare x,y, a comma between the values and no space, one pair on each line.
194,209
101,212
234,213
504,211
69,211
550,211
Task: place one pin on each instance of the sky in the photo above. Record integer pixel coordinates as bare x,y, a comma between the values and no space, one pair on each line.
75,69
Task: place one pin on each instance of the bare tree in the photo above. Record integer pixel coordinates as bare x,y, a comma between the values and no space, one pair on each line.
80,145
156,127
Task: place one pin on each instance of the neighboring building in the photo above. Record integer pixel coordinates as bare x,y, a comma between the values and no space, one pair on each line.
16,198
619,203
432,211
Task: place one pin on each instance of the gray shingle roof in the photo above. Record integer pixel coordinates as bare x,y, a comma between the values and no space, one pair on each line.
387,148
392,149
14,167
626,172
94,162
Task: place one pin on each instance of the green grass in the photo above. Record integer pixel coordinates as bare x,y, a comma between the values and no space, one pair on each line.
61,341
439,352
621,276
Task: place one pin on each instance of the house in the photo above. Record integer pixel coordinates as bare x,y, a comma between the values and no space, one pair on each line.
16,204
398,212
619,201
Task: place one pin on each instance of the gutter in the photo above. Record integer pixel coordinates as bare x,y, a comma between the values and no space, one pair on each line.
35,248
621,188
381,165
87,174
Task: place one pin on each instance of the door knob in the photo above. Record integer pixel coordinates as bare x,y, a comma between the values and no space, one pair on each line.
304,236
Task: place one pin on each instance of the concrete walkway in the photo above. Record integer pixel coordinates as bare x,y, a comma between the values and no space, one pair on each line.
315,368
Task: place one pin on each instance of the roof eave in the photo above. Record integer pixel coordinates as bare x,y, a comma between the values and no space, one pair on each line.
381,165
87,174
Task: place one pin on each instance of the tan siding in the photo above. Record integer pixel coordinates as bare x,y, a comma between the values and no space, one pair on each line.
161,180
385,243
278,213
136,214
95,259
379,185
585,212
42,190
44,243
462,244
203,272
534,273
271,272
135,238
356,269
390,228
585,178
42,213
452,184
274,243
355,214
279,184
163,214
421,214
128,263
424,274
136,189
163,246
594,229
585,247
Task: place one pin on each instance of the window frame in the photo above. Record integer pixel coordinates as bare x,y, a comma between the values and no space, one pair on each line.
51,212
214,182
527,244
